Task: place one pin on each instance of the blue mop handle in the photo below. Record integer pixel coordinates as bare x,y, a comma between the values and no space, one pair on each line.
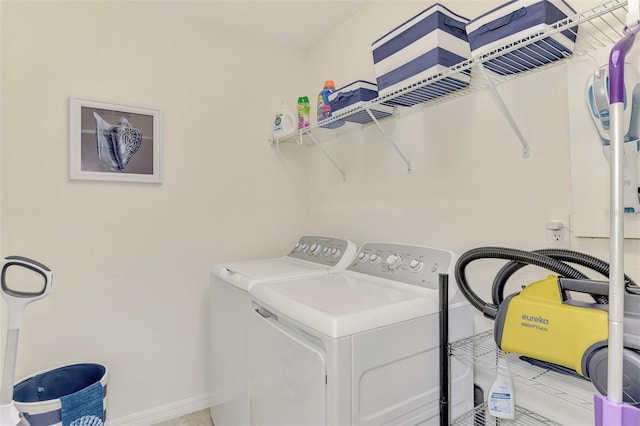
616,288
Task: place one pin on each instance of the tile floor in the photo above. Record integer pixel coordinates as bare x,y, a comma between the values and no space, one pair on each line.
200,418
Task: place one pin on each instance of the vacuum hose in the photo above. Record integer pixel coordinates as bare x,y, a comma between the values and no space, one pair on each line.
554,260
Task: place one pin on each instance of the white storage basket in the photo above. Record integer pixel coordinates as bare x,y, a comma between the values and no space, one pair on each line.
422,47
354,95
516,21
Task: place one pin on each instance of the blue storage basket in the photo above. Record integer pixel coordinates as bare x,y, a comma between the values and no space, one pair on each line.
63,396
355,94
515,21
419,49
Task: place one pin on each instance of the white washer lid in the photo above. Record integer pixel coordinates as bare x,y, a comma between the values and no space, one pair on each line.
346,303
245,274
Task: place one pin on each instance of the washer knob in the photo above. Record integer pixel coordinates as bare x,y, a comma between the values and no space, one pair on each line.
326,251
316,249
415,265
363,257
394,261
375,258
336,252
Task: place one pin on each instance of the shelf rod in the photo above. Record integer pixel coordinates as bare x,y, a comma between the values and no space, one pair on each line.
389,139
326,154
503,108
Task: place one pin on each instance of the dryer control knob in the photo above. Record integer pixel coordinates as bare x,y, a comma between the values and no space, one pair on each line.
363,257
316,249
394,261
336,252
415,265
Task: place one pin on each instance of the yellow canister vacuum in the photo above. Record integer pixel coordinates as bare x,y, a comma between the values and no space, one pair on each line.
547,326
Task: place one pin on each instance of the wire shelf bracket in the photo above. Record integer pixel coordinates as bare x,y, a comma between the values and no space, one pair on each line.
389,140
326,154
504,110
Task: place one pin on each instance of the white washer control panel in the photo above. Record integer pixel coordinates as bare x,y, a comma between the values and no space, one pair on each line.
323,250
404,263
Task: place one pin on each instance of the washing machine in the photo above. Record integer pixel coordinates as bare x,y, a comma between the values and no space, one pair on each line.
230,283
358,347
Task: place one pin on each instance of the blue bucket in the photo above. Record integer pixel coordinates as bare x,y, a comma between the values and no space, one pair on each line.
63,396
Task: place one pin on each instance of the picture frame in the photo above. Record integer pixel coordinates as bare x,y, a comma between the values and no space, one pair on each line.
114,142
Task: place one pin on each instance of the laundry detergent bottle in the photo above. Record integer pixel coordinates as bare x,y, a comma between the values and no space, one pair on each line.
324,106
304,108
284,121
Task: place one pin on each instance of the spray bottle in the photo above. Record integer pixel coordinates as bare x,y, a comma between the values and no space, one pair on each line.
501,398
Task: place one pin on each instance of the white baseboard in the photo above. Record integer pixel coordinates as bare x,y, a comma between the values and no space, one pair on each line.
162,413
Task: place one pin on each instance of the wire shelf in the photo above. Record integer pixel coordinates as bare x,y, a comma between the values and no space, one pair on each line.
482,352
593,29
480,416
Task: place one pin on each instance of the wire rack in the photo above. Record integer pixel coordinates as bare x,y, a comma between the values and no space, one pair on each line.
593,29
482,352
480,416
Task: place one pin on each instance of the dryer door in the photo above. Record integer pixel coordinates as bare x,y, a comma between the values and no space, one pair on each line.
287,373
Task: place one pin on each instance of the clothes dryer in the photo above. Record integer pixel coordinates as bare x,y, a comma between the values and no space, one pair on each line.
230,283
358,347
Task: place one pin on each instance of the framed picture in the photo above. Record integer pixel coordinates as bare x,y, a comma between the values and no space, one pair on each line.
113,142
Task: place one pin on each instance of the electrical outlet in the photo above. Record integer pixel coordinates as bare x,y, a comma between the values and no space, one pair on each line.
557,232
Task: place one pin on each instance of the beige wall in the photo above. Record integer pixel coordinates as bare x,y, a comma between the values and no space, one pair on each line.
130,260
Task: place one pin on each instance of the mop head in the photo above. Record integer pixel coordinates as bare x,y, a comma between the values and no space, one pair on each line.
87,421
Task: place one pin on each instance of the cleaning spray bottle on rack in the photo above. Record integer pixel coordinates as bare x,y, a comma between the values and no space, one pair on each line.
304,109
501,398
284,121
324,107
